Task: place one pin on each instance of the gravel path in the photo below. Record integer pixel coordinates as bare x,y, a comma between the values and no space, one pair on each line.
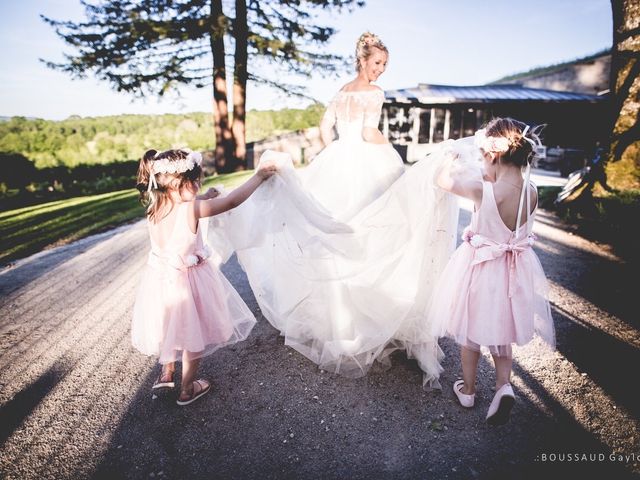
75,398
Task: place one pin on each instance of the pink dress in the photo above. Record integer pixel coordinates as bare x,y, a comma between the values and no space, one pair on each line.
493,291
184,303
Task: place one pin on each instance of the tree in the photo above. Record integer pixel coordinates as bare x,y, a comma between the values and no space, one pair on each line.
16,170
153,46
625,78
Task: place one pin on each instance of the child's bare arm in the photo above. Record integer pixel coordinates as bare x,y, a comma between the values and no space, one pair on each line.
211,193
458,185
217,205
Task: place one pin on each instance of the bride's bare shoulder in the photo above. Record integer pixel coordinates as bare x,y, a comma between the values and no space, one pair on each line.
354,87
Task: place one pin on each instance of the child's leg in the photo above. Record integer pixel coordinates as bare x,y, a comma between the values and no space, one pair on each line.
469,359
189,371
503,369
165,379
191,389
167,371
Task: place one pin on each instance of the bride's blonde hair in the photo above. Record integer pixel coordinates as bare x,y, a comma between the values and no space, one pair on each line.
364,48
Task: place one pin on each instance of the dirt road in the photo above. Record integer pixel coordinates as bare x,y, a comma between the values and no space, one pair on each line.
75,398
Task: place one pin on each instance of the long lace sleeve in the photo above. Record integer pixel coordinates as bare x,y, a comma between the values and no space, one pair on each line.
372,110
327,122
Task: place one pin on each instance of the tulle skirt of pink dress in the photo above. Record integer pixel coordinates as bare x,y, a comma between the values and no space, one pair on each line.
482,306
195,310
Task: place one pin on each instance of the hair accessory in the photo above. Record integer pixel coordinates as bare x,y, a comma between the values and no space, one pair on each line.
490,144
152,182
166,165
534,143
370,40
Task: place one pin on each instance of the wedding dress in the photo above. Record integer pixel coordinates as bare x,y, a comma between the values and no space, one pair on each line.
350,172
343,260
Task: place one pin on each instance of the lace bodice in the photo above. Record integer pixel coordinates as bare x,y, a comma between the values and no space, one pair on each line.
351,112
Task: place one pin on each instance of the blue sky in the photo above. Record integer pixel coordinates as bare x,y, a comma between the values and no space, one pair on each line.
457,42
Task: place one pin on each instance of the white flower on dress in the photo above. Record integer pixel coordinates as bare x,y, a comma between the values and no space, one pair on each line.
467,234
531,239
476,240
192,260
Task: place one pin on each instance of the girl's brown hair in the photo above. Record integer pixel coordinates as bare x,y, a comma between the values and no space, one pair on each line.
520,149
156,199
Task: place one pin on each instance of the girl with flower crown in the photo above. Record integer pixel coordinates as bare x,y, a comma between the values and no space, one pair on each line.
493,291
185,308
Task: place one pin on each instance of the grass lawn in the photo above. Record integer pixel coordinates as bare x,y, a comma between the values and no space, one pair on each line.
28,230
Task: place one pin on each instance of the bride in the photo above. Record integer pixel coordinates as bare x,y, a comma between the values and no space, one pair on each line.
360,165
343,256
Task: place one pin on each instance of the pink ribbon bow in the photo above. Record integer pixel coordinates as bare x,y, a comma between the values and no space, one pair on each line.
487,249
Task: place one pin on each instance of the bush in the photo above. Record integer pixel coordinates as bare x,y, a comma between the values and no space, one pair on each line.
16,170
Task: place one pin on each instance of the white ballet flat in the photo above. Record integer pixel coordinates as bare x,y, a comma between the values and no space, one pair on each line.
501,405
465,400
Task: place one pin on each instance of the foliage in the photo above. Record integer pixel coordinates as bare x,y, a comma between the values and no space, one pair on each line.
153,46
28,230
625,173
103,140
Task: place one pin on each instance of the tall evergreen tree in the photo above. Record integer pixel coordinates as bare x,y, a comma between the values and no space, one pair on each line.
152,46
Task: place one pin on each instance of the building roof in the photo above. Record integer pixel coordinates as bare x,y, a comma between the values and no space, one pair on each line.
446,94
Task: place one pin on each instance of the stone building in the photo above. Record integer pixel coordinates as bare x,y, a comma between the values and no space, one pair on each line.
585,75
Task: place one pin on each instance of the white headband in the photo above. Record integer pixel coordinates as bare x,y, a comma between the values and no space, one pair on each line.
166,165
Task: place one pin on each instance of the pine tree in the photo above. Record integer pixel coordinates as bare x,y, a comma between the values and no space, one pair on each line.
152,46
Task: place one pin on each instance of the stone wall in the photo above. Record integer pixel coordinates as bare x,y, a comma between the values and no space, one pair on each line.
302,145
587,76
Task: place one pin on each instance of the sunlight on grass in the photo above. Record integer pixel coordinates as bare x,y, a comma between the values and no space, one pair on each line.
27,230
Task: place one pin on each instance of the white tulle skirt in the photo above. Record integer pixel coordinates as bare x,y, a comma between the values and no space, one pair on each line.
346,294
348,175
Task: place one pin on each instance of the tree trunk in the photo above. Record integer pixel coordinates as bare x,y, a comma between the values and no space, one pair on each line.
625,76
224,153
241,34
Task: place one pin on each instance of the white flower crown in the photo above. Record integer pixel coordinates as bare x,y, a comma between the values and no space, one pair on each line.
166,165
373,39
502,144
490,144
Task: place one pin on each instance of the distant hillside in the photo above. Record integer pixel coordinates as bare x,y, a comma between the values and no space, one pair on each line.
588,74
104,140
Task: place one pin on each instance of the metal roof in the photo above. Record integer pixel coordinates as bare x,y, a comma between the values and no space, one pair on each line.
443,94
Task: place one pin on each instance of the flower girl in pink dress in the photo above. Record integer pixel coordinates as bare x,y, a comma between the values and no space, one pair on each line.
493,292
185,308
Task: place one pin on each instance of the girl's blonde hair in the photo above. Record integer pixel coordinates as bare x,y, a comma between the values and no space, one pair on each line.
157,198
364,48
520,150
